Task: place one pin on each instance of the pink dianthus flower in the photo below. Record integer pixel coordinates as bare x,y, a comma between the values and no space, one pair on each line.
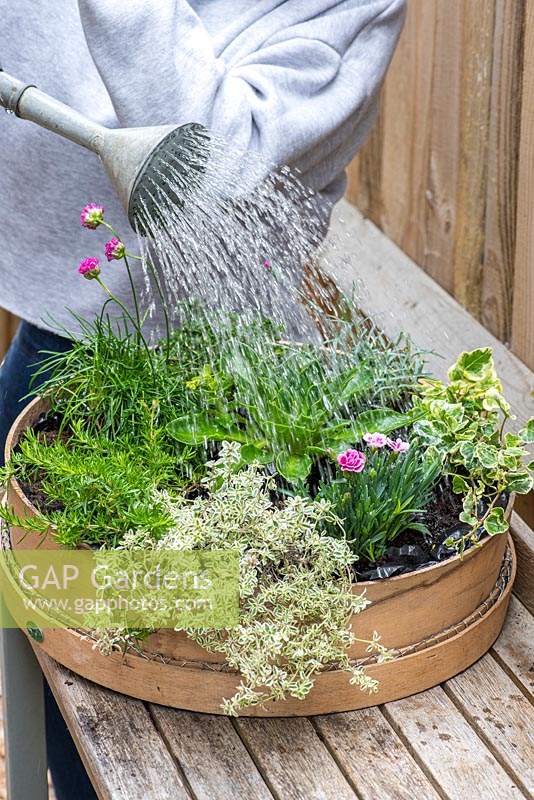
375,439
398,446
351,461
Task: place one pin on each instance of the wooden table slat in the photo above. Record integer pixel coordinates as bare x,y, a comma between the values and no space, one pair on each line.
514,648
440,738
373,757
500,714
213,758
123,753
292,759
524,547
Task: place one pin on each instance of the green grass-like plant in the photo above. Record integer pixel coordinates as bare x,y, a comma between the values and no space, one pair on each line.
384,500
288,404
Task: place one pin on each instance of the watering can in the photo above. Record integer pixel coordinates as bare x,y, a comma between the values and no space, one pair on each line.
142,163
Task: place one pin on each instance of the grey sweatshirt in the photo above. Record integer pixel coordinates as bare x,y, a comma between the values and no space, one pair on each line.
296,80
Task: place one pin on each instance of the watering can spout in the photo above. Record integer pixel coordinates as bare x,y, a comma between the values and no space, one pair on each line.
142,163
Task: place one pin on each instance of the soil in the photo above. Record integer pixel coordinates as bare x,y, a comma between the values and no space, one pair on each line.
413,550
48,430
410,551
38,498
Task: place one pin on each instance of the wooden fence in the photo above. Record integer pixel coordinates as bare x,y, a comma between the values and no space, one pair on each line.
448,172
8,326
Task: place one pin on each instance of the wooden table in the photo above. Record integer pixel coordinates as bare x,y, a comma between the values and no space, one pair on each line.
470,738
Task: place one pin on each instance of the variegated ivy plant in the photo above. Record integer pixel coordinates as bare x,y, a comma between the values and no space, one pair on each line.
463,422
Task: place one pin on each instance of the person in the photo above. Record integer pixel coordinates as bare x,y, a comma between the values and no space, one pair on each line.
294,80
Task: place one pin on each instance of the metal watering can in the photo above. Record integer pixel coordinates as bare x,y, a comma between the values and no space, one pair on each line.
137,160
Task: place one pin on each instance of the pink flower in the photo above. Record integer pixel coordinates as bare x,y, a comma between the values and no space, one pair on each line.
398,446
267,265
375,439
114,249
92,216
351,461
89,268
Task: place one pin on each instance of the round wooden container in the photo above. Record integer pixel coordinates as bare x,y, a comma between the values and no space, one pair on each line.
440,619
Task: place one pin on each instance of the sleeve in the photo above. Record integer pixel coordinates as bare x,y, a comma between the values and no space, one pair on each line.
299,82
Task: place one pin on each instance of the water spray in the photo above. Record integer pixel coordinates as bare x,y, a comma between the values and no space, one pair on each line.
137,160
209,213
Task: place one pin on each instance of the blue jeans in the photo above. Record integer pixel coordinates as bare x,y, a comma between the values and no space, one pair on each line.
68,773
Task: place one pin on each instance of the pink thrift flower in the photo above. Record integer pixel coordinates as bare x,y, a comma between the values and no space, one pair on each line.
351,461
92,215
89,268
375,439
114,249
267,264
398,446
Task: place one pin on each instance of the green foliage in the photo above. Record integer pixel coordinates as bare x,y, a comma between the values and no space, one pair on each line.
287,403
96,489
103,381
216,379
295,586
234,379
383,501
527,434
379,420
463,423
285,406
38,523
107,382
